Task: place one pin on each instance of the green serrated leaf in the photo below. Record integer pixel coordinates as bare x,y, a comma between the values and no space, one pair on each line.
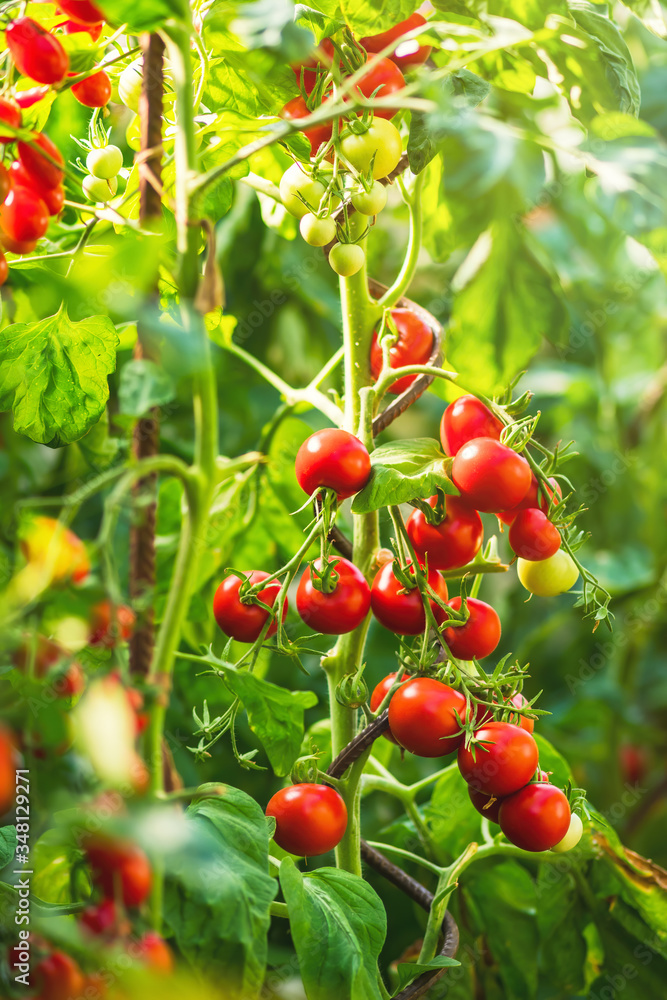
404,471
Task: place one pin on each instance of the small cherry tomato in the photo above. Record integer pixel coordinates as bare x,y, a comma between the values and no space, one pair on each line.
23,215
479,636
425,717
380,691
402,611
5,182
572,837
4,268
10,113
104,920
334,459
489,475
337,612
370,202
244,622
44,172
18,247
109,625
317,232
347,259
501,760
58,977
380,145
318,134
130,84
81,10
309,69
487,805
73,28
310,819
98,190
548,577
413,347
155,953
406,54
36,52
296,184
386,76
535,818
464,419
533,536
94,91
104,162
452,543
26,98
53,198
119,869
7,770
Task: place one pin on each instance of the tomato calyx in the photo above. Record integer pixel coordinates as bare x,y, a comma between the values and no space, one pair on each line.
437,513
324,576
249,591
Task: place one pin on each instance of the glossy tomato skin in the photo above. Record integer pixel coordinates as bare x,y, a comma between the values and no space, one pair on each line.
486,805
17,246
403,613
81,11
381,145
10,113
53,198
479,636
310,819
379,693
452,543
531,500
297,108
340,611
505,759
7,772
244,622
489,475
24,216
120,867
5,182
44,173
36,52
415,54
464,419
386,76
58,977
548,577
94,91
536,817
533,536
413,347
425,717
335,459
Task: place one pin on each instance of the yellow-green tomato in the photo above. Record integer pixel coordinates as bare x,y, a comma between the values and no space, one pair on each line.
294,182
347,258
133,134
104,162
129,85
548,577
317,232
370,202
572,837
382,140
98,189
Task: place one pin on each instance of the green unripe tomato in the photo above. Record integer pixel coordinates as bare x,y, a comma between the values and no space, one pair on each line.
133,134
382,140
105,162
548,577
129,85
294,182
572,837
347,258
370,202
317,232
98,189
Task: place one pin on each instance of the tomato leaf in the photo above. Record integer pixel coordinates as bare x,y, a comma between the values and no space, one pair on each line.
452,820
275,715
403,471
407,971
7,844
338,926
218,891
145,16
54,375
613,53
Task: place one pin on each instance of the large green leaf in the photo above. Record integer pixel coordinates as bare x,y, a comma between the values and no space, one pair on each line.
404,471
53,375
338,926
613,53
218,891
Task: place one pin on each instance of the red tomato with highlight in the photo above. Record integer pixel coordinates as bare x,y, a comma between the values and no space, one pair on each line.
386,76
19,247
7,772
335,459
452,543
340,611
479,636
244,622
53,198
464,419
310,819
106,629
155,953
489,475
73,28
26,98
36,52
486,805
502,759
413,347
43,172
322,59
533,536
10,113
402,611
94,91
58,977
410,53
379,693
120,870
296,109
425,717
24,216
536,818
81,10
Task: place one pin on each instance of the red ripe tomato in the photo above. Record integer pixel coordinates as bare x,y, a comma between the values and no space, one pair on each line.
4,268
94,91
24,216
413,347
425,717
17,246
335,459
26,98
340,611
502,759
155,952
533,536
323,58
379,693
536,817
120,870
530,501
103,920
7,772
402,611
58,977
5,183
81,10
310,819
479,636
487,805
297,108
107,629
44,172
453,542
73,28
36,52
388,77
409,53
10,113
244,622
53,198
489,475
464,419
